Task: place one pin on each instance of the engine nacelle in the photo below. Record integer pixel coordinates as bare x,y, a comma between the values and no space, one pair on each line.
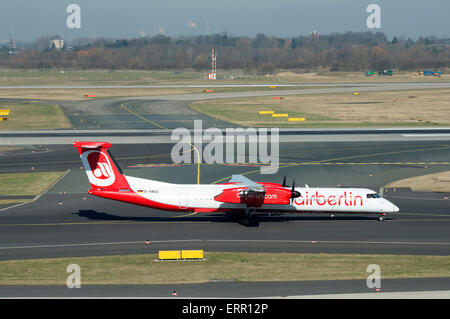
239,195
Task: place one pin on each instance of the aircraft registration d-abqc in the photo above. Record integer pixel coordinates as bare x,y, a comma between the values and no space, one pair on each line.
239,195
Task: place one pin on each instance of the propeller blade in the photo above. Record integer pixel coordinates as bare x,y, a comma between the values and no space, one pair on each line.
292,192
284,181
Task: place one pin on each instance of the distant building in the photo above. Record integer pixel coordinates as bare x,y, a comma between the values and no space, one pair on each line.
441,44
315,35
57,43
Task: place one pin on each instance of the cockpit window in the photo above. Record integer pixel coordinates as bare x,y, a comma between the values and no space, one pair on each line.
373,195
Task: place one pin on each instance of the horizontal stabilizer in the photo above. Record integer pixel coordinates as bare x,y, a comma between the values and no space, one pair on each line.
91,144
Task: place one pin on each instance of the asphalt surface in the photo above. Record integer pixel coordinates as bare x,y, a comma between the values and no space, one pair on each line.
423,288
66,221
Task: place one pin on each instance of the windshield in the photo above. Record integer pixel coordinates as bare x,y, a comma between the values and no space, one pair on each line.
373,195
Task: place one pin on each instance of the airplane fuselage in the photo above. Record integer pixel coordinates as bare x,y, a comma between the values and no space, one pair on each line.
239,194
202,198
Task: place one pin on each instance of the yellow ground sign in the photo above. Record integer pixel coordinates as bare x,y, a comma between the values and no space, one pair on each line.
280,115
296,119
266,112
4,112
192,254
169,254
180,254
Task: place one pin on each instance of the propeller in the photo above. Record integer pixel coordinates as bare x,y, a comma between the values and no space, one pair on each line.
294,193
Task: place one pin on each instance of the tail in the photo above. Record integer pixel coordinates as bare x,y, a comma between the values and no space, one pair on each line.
102,170
108,181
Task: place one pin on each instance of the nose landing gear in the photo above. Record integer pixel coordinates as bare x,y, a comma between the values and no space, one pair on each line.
381,217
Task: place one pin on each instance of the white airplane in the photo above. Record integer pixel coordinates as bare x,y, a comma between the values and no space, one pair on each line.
239,195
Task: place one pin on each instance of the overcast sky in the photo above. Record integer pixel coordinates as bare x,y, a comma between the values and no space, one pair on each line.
31,19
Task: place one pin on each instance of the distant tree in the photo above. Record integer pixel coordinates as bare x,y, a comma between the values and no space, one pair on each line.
280,42
351,51
200,63
266,68
294,44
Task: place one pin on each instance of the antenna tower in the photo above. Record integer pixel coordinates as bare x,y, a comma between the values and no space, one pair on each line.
212,75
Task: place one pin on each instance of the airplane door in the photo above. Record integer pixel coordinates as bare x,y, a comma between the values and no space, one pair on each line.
183,201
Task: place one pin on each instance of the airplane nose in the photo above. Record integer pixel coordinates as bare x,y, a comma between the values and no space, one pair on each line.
395,209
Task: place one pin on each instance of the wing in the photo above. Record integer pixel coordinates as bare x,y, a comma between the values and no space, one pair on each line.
244,181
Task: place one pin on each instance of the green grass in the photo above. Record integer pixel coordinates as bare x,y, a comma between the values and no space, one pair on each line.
143,269
13,201
136,77
34,183
33,116
93,77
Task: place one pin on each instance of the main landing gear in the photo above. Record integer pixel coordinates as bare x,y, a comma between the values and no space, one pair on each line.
247,218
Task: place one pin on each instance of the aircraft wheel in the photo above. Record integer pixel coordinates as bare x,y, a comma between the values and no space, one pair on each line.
381,218
250,220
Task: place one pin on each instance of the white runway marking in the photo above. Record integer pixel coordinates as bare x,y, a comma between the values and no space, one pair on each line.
316,242
426,135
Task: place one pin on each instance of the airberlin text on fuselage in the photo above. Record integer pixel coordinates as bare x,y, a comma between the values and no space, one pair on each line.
257,196
346,199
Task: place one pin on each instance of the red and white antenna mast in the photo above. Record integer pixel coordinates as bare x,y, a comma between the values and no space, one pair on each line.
212,75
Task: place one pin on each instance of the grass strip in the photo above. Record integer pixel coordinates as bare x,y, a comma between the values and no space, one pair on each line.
377,108
437,182
143,269
33,116
34,183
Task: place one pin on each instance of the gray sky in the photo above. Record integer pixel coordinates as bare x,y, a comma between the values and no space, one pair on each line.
130,18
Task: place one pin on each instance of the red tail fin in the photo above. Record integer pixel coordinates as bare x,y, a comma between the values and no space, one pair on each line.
101,168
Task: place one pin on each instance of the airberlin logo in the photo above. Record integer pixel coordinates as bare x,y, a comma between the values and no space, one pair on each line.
256,196
98,168
346,199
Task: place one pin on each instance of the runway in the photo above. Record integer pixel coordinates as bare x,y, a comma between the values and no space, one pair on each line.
67,222
158,136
